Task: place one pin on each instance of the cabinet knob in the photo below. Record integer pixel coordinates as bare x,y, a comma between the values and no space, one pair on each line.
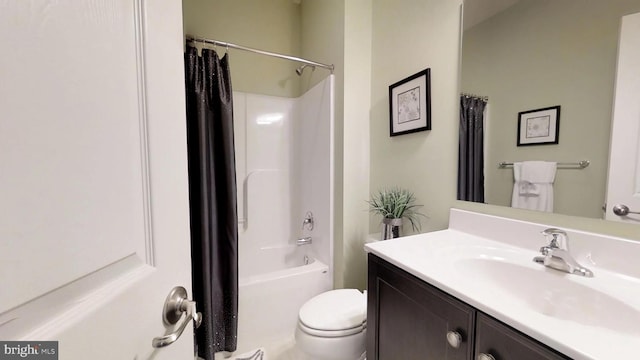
454,339
483,356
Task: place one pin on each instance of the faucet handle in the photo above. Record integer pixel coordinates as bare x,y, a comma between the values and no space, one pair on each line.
308,221
559,239
553,231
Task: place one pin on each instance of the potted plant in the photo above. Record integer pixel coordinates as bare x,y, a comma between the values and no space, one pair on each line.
393,205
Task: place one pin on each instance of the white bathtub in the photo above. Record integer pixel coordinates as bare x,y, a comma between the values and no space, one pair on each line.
272,288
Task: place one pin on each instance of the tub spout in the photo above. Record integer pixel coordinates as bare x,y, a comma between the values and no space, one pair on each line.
304,241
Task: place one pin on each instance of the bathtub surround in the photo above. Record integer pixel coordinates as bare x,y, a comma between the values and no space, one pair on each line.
212,200
284,170
283,155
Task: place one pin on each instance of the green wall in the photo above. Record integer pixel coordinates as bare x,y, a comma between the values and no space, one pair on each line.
418,34
272,25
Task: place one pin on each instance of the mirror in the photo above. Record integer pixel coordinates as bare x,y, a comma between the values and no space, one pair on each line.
525,55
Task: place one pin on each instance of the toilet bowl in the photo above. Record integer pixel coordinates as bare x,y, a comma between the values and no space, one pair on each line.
332,325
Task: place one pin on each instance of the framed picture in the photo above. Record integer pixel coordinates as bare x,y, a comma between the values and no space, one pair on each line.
539,127
410,104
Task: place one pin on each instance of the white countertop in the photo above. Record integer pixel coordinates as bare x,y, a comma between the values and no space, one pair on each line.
486,261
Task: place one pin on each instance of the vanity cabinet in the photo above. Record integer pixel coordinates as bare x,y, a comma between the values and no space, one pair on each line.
502,342
409,319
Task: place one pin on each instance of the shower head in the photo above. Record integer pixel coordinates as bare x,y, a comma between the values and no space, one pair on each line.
301,69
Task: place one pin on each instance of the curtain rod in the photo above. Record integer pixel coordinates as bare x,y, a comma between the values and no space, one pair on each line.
575,165
268,53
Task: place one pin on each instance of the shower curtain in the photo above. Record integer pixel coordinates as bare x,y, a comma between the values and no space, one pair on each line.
471,149
212,200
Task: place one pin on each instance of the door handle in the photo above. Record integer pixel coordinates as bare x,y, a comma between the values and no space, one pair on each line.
175,306
623,210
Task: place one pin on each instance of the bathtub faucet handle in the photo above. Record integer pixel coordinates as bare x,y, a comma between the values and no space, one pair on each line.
308,221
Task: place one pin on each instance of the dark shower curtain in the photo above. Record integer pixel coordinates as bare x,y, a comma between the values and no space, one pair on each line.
212,199
471,149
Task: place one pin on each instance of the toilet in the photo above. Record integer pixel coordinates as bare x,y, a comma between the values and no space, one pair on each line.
333,325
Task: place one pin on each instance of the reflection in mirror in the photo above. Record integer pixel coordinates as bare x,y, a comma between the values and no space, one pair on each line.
535,54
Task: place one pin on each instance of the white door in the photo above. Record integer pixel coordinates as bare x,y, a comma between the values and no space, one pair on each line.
623,191
94,227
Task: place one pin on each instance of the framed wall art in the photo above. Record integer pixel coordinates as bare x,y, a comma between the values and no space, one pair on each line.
539,127
410,104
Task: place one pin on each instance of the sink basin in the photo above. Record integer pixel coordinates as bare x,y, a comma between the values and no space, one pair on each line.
551,292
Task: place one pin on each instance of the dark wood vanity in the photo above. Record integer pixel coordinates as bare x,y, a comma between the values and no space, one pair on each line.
409,319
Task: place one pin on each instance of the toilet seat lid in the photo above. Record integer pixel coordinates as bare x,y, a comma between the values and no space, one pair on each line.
335,310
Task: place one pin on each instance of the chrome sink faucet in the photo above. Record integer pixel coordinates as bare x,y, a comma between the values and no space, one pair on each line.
556,255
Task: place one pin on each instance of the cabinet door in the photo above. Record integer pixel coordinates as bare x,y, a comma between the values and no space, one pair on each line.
504,343
409,319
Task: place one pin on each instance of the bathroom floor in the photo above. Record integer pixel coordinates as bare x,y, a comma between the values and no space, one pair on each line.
277,350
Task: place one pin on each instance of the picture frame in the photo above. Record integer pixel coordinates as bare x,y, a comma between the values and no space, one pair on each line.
410,104
539,126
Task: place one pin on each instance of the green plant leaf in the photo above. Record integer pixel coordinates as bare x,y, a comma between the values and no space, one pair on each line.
396,203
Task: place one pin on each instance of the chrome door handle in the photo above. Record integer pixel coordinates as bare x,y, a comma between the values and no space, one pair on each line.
176,305
623,210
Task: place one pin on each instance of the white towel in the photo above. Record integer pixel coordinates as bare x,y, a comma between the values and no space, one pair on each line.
533,187
528,188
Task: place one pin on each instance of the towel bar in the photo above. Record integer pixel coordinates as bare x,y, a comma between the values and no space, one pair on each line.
575,165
